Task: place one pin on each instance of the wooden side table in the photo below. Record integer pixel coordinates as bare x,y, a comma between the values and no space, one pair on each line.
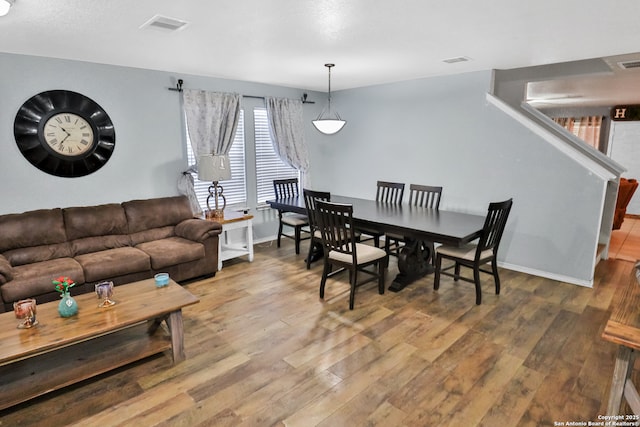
233,220
623,328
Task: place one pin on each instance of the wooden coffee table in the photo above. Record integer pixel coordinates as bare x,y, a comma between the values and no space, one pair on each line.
623,329
62,351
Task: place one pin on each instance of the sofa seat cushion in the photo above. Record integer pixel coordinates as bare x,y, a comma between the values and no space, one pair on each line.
152,234
107,264
99,243
35,279
172,251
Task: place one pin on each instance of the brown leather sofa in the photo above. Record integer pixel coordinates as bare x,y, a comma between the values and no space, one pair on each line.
121,242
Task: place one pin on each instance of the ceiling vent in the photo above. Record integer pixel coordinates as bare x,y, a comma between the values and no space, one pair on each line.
627,65
165,23
457,59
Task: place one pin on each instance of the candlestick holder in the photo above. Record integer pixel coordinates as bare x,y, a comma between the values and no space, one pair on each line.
25,310
104,290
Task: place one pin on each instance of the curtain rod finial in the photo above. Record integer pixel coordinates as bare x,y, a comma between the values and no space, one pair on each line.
178,87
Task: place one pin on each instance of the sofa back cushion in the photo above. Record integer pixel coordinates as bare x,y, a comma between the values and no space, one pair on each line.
33,236
96,228
155,219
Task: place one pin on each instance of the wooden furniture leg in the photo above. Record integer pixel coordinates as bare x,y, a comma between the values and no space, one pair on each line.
621,373
174,322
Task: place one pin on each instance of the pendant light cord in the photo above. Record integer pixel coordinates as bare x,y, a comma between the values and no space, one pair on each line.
329,67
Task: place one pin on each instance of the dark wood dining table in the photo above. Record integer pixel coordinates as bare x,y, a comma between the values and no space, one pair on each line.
418,225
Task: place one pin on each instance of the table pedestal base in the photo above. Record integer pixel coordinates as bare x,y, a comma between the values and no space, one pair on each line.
316,252
414,262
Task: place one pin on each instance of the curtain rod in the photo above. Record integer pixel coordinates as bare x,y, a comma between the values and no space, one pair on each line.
178,88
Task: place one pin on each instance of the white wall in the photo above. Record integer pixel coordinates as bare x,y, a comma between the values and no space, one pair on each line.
430,131
149,154
143,112
442,131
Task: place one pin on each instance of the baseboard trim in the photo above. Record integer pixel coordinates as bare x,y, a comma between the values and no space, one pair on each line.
507,266
547,275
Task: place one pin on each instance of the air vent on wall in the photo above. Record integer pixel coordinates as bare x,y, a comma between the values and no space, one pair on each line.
626,65
165,23
456,59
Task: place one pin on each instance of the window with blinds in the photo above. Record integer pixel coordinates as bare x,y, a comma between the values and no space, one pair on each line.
268,163
235,189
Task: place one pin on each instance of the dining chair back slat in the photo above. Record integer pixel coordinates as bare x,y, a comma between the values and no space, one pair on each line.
336,223
390,192
494,225
284,189
427,196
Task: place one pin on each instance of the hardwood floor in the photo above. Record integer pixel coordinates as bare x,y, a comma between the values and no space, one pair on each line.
262,349
625,242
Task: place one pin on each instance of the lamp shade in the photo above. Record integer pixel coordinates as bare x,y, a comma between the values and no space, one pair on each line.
213,168
328,126
5,5
329,122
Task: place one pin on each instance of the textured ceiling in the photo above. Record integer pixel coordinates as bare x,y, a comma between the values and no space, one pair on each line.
287,42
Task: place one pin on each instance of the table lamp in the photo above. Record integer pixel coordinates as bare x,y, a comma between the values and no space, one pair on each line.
214,168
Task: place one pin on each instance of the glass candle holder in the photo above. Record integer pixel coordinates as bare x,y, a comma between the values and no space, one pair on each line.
104,290
161,279
25,310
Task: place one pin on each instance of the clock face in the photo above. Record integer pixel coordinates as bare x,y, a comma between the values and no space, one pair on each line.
64,133
69,134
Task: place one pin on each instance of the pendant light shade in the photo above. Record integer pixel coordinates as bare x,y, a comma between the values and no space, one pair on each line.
329,122
5,5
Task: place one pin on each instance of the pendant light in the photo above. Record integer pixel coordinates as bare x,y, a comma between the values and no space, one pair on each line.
329,123
5,5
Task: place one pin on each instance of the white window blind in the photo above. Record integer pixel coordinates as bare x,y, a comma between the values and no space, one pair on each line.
235,189
268,164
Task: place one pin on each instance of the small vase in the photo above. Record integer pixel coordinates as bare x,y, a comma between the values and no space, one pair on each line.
67,306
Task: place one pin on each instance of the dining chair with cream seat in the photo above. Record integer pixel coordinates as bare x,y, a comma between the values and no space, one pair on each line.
341,249
310,197
283,189
386,192
427,196
475,256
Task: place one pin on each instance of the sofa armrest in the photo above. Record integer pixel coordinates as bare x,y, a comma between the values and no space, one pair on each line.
198,229
6,271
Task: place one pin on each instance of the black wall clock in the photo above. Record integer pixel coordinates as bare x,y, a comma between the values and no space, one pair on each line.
64,133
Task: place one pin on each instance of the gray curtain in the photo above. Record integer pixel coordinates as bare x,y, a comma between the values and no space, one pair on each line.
286,125
212,119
